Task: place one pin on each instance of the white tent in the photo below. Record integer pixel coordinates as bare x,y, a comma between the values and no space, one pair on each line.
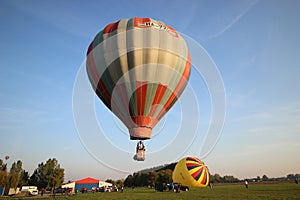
69,185
103,184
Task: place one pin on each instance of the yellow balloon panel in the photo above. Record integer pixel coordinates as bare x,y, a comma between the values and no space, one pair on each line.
191,172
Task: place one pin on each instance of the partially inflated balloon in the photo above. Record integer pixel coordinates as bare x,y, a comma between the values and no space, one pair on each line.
138,67
191,172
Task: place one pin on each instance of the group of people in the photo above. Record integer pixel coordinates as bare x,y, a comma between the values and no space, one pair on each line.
175,187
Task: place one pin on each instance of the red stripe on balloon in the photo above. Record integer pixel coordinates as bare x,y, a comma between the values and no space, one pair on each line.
141,92
141,21
111,27
192,164
192,167
204,178
160,91
179,88
197,174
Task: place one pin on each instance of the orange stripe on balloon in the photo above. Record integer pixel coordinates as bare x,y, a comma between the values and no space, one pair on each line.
187,67
142,120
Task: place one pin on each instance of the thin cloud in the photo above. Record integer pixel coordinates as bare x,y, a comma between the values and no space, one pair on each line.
241,100
65,20
234,21
280,121
38,77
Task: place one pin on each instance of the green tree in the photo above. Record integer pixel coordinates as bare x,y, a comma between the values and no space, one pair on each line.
137,179
216,178
110,181
258,178
290,176
49,175
119,182
37,177
53,174
3,174
129,181
164,176
14,174
230,179
151,178
24,178
265,178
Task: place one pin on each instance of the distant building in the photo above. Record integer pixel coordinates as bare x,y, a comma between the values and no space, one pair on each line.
89,183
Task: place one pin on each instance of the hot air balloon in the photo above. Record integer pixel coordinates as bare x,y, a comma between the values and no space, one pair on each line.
138,67
6,157
191,172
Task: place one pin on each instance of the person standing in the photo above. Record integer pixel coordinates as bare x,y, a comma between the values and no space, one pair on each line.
246,183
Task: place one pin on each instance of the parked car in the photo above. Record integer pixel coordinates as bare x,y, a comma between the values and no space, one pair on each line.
101,189
58,190
83,190
34,192
28,189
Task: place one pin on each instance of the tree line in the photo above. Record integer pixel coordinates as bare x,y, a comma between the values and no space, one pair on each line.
153,178
47,175
163,174
149,179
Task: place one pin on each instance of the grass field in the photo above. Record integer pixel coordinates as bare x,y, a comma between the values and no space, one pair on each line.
255,191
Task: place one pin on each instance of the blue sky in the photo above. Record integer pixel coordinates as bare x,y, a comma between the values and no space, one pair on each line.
254,44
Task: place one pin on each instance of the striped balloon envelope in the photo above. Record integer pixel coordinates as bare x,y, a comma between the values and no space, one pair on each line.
191,172
138,67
